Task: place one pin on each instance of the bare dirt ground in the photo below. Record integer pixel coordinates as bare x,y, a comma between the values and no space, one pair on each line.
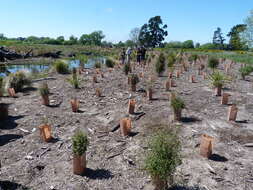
115,162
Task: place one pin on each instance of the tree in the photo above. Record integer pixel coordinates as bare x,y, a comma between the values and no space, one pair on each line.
188,44
134,35
218,38
152,34
247,34
2,37
95,38
72,40
235,42
197,45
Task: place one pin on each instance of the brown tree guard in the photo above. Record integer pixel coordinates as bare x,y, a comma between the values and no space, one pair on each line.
168,85
224,99
4,111
150,94
45,100
192,79
232,113
125,126
178,115
206,146
11,92
178,74
74,105
160,184
98,92
131,106
79,164
45,133
170,74
95,79
217,91
133,87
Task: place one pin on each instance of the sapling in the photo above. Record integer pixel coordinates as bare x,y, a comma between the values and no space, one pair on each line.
44,92
109,63
246,70
218,80
127,68
97,65
213,63
18,80
61,67
134,79
177,105
74,79
160,64
162,159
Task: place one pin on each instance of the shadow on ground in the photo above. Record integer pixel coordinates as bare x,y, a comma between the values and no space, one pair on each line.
98,174
5,139
9,123
7,185
218,158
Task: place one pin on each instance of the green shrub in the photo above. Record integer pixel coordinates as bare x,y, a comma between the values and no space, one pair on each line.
160,64
74,81
246,71
193,57
43,89
109,63
127,68
97,65
213,63
79,143
61,67
171,60
18,80
177,103
163,157
218,79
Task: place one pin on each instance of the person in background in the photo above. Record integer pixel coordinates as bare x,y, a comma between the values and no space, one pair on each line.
143,55
123,56
139,53
128,54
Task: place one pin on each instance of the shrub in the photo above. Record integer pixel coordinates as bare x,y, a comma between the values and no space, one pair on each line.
18,80
79,143
97,65
61,67
163,157
160,64
134,79
171,60
213,63
109,63
74,81
177,104
43,89
246,71
127,68
193,57
217,79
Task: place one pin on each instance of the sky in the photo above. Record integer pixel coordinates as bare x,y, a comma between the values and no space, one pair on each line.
186,19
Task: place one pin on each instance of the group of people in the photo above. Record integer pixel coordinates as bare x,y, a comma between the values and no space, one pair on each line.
140,55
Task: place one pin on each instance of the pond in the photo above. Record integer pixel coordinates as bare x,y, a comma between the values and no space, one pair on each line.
34,68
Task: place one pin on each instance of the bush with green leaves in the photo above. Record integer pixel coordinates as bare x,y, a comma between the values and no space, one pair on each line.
171,60
163,157
160,64
213,63
193,58
97,65
127,68
109,63
218,79
246,71
79,143
18,80
177,103
43,89
61,67
74,81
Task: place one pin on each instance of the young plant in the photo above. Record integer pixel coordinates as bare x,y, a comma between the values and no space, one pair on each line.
44,90
160,64
18,80
74,81
163,158
171,60
61,67
246,71
97,65
127,68
193,58
177,105
218,80
109,63
213,63
79,143
134,79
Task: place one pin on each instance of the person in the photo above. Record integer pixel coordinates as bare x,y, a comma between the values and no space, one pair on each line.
139,53
128,54
123,56
143,55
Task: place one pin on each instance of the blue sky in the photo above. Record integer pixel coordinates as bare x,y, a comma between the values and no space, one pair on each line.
186,19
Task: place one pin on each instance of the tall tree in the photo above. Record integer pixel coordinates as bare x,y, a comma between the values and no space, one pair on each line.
95,38
218,38
153,33
235,42
134,35
247,35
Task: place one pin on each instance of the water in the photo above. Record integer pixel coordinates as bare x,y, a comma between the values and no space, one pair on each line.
35,68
